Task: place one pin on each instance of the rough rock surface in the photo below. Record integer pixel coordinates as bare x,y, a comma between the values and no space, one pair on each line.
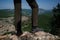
41,35
6,27
6,24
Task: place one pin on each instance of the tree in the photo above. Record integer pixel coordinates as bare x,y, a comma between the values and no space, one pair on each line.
56,21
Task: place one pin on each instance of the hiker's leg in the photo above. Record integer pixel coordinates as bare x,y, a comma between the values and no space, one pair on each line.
34,7
17,5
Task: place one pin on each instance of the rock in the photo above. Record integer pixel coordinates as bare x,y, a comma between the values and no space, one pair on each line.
5,37
29,36
8,37
41,35
14,37
25,18
6,27
6,24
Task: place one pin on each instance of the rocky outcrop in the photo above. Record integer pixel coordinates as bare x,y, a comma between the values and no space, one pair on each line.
6,24
6,28
41,35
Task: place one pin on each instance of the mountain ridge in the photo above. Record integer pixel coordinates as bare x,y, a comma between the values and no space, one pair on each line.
25,11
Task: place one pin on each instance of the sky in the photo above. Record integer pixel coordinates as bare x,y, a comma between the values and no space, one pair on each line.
44,4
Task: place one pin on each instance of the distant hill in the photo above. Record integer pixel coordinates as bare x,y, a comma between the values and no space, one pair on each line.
26,12
29,11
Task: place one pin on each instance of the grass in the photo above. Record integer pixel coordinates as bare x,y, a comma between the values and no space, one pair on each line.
5,14
44,21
